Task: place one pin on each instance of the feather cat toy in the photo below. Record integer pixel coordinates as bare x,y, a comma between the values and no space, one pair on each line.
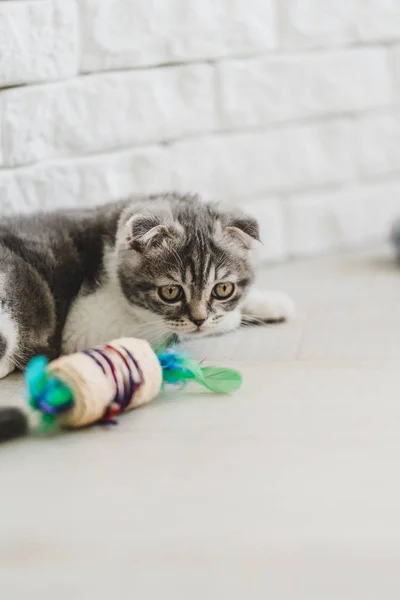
98,384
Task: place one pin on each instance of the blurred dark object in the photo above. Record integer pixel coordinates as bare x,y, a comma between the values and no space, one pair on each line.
396,238
13,423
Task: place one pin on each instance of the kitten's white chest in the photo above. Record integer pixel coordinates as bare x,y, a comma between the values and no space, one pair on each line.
100,317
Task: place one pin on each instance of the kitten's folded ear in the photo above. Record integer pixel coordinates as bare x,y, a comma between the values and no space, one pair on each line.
146,230
242,229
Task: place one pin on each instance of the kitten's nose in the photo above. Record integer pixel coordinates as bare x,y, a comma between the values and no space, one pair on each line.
198,322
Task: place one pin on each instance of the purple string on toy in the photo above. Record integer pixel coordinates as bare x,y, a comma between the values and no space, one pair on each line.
136,384
124,395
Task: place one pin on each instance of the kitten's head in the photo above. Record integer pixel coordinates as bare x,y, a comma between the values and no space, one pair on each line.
187,262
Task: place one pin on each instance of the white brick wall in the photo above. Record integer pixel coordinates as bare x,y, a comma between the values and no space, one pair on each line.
288,107
38,41
321,23
263,90
105,111
132,33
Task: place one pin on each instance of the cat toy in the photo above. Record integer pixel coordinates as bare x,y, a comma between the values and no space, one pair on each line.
98,384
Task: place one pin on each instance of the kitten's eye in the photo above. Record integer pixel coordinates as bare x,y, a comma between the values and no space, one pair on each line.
223,290
170,293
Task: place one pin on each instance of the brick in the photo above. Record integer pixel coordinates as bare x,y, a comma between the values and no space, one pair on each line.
396,70
84,182
377,141
259,91
10,197
250,164
130,33
323,221
38,41
107,111
28,123
377,20
308,23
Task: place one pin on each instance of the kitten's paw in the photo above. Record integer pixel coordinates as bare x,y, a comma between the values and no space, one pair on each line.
268,307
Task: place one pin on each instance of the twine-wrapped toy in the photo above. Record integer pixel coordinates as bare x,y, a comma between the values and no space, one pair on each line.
98,384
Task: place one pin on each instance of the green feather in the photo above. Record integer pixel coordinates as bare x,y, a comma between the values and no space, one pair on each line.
221,381
178,368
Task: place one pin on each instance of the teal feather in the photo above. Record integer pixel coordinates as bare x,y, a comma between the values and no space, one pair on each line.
178,368
47,394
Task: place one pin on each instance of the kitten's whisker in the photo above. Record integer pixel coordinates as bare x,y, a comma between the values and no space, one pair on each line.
152,334
147,323
255,317
147,329
249,320
153,330
158,339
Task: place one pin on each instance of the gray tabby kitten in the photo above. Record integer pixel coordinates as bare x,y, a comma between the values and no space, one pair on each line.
145,267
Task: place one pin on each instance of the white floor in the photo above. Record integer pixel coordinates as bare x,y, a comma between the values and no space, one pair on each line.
287,490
